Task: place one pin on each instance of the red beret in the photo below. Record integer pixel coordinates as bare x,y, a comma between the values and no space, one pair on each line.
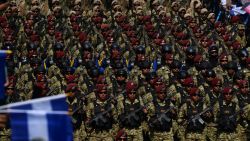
104,26
215,81
101,80
130,85
97,19
149,27
101,87
50,18
2,19
134,41
71,86
160,89
248,60
75,27
146,18
236,45
235,19
217,24
34,38
243,83
121,135
227,90
184,42
188,81
73,18
82,37
193,91
58,35
198,58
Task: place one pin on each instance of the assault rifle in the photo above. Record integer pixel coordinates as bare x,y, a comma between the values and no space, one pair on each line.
161,117
198,116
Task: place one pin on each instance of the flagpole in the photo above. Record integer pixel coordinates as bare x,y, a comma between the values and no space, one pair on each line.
34,112
33,101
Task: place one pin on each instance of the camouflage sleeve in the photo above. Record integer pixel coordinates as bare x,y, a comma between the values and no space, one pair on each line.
182,114
89,110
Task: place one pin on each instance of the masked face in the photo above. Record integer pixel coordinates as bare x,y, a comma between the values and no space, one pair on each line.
103,95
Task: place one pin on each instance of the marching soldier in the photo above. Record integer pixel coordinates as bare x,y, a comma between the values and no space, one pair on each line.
101,116
161,122
226,116
133,112
193,115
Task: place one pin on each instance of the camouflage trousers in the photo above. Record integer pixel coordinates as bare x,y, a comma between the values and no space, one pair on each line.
211,133
80,135
101,136
5,135
162,136
193,136
228,137
134,134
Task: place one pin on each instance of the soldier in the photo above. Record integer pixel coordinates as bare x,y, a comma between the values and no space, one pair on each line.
101,116
132,113
195,125
76,110
226,116
161,122
244,101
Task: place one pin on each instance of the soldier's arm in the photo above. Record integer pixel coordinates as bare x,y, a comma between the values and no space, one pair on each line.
182,114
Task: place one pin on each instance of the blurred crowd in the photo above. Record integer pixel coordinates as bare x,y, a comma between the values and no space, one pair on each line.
125,63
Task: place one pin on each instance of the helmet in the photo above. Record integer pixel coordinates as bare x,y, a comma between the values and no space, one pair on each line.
144,64
140,50
243,53
191,51
232,65
115,46
213,48
121,72
58,46
86,46
176,64
182,75
210,73
32,46
166,48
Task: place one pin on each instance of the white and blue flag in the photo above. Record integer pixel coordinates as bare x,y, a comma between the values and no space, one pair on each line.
44,119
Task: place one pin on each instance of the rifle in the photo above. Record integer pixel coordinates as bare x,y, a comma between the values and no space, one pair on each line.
100,117
198,116
163,116
238,112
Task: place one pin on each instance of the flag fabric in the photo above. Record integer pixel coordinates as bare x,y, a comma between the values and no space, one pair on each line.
3,54
48,104
246,7
43,119
40,126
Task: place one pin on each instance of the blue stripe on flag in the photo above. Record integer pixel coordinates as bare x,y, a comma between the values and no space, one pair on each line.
41,126
21,107
60,128
59,104
19,127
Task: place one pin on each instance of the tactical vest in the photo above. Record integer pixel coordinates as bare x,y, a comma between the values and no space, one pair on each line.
243,101
162,125
99,124
135,120
184,96
195,126
227,121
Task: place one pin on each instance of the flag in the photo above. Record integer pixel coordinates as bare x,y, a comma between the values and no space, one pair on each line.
246,7
3,72
43,119
48,104
40,126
